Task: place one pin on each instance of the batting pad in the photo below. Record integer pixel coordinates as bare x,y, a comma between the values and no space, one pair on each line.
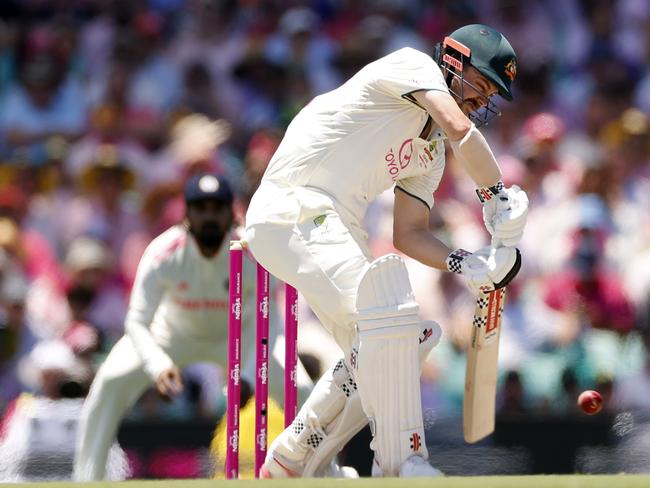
388,366
328,419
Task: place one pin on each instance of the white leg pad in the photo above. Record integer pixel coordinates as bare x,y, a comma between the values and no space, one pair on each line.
292,449
388,369
342,428
328,419
352,418
429,337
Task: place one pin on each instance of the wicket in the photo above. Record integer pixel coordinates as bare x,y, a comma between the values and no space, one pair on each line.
261,361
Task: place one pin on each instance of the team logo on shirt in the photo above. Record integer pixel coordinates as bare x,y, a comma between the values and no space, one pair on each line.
405,153
320,220
393,168
396,163
425,157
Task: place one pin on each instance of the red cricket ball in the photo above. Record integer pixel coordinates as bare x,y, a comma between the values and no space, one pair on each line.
590,402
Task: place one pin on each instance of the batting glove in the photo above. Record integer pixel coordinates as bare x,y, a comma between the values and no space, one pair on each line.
505,211
487,269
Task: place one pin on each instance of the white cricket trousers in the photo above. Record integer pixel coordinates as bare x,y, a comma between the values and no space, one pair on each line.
121,380
300,236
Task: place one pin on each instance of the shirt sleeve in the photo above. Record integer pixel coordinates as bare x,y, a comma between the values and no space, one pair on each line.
147,293
423,186
409,70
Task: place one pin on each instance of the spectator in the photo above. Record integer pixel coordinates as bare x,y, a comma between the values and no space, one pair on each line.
299,47
632,391
27,250
156,81
259,151
38,431
44,104
587,293
107,210
513,395
107,129
94,294
88,292
16,337
199,93
215,36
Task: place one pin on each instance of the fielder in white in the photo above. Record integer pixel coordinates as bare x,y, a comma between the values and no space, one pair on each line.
178,314
387,126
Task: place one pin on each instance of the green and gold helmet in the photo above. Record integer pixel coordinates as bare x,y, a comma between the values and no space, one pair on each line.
487,50
490,53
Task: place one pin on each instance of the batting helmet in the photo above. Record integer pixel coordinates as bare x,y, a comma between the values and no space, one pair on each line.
489,52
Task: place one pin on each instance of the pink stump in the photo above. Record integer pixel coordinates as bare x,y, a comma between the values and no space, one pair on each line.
291,355
234,360
262,368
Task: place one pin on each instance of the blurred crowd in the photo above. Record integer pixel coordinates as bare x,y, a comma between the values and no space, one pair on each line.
106,107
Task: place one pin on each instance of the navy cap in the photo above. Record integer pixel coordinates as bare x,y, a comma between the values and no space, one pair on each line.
207,186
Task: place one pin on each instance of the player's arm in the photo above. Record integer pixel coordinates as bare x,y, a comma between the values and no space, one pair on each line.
504,209
411,234
484,270
146,296
468,144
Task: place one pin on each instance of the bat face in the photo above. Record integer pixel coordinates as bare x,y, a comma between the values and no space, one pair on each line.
481,372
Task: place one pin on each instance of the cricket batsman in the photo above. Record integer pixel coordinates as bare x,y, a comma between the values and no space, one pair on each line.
178,314
385,127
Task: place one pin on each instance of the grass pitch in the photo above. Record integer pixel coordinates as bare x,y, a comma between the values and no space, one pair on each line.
570,481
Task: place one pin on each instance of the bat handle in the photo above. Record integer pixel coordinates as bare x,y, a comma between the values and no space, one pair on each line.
496,242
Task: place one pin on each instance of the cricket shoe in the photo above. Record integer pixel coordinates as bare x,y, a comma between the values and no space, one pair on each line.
413,467
272,469
418,467
335,470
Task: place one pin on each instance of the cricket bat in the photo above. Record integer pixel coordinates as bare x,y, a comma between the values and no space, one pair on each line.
481,371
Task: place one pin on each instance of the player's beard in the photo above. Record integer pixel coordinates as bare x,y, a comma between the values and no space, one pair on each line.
469,106
210,235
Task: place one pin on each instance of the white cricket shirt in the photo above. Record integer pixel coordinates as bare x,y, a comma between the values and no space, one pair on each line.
178,291
362,138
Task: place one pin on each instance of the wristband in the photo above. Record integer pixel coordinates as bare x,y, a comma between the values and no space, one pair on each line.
455,259
486,193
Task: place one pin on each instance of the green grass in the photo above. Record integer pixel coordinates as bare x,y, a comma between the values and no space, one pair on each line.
572,481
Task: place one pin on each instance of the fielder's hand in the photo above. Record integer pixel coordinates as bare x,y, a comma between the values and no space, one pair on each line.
169,383
505,211
487,269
